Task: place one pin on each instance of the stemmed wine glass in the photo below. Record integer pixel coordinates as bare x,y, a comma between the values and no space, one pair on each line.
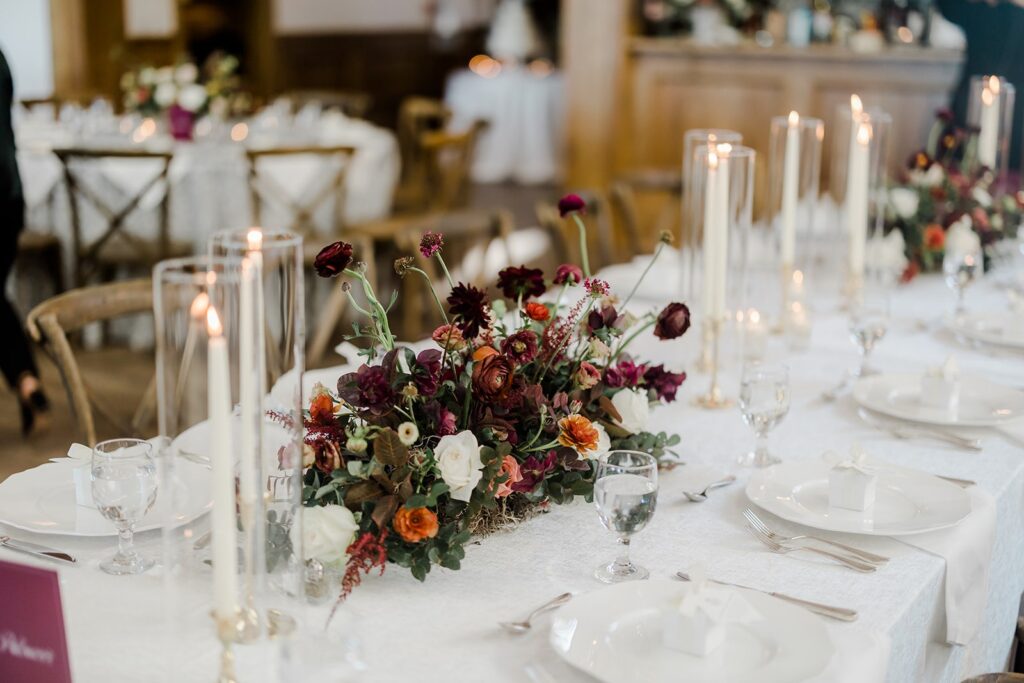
764,402
625,493
124,483
869,321
961,267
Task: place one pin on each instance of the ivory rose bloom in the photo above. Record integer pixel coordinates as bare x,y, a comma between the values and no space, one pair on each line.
634,409
458,458
327,532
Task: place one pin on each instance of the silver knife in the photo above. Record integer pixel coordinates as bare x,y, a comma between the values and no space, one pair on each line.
36,550
840,613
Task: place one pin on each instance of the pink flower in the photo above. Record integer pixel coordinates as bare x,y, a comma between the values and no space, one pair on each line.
510,467
596,287
568,273
570,203
587,376
431,243
446,422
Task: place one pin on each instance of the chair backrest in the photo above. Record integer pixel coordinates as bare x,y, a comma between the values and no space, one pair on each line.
51,321
301,210
416,116
449,157
88,256
476,247
564,236
351,103
645,202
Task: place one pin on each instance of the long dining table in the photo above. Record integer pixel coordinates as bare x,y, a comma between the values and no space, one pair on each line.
394,628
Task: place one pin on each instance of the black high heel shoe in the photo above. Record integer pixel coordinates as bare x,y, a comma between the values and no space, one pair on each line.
33,407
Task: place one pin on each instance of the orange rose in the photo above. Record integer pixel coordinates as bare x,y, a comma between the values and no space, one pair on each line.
321,408
415,524
578,433
537,311
510,467
934,237
484,352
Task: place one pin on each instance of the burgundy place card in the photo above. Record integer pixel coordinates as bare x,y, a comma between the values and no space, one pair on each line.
32,643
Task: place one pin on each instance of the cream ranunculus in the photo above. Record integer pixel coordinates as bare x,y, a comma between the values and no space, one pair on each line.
634,409
192,97
904,201
165,94
186,73
327,532
458,457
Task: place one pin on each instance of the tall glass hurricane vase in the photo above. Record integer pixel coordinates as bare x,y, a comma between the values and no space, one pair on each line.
990,112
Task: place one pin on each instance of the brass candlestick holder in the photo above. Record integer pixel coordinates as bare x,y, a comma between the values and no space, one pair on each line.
252,541
713,399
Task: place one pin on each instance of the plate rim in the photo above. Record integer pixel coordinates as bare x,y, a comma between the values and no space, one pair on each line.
862,385
981,337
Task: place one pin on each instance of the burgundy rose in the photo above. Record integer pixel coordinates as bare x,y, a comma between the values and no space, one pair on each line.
673,321
663,382
570,203
431,243
492,377
533,471
468,306
521,281
521,347
568,273
625,374
333,259
427,373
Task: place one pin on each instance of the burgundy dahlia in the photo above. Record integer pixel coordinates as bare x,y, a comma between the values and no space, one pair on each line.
333,259
367,388
570,203
431,243
673,321
663,382
468,307
521,347
521,281
568,273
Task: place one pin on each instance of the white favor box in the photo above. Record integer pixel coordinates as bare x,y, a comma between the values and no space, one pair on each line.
851,488
83,485
939,392
695,635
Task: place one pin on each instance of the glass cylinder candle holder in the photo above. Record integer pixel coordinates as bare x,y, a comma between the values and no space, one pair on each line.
690,239
271,360
794,166
860,154
990,111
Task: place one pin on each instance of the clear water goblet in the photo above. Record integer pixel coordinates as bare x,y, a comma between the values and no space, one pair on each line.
869,321
124,485
764,402
961,267
625,494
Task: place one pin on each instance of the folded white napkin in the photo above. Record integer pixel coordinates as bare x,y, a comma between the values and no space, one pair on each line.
967,549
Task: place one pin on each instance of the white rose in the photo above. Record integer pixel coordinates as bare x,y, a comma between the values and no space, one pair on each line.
186,73
982,196
147,76
327,532
164,74
930,178
165,94
634,409
904,201
458,457
192,97
604,443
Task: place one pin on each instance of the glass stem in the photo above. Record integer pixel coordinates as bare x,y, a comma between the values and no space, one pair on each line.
761,448
622,561
865,354
960,306
125,541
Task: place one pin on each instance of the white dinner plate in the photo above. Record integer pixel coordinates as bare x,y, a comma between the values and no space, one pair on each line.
614,634
982,403
42,500
1000,329
906,501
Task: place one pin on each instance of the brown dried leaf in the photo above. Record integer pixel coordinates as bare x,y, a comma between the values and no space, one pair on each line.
357,494
389,449
609,407
384,510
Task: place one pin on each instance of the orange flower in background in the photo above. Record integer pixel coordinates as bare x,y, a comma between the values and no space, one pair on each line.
537,311
578,433
510,467
321,408
415,524
934,237
484,352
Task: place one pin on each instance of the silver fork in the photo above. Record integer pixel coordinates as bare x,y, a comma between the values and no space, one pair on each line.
759,524
776,547
526,624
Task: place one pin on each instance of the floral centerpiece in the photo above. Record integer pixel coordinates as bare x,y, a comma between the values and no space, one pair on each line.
185,91
412,453
943,188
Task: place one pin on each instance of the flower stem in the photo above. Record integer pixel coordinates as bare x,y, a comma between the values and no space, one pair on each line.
447,275
584,256
386,339
562,343
661,245
625,342
433,292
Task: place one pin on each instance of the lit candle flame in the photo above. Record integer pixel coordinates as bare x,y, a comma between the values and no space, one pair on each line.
239,132
754,316
993,84
856,106
724,149
863,134
987,98
255,239
199,305
794,119
712,160
213,326
798,277
712,138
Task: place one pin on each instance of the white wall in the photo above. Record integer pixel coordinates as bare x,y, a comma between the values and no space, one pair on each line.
369,16
27,44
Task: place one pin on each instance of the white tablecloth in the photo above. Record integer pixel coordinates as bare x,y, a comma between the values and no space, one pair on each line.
445,630
524,140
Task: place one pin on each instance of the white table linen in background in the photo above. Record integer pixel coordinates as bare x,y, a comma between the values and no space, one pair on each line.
445,629
524,139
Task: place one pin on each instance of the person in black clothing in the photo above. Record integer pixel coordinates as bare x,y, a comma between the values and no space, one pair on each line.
16,362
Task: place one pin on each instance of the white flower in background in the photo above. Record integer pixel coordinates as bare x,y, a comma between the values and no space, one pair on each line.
192,97
164,74
887,254
598,349
961,238
327,532
930,178
458,458
165,94
408,433
604,443
982,196
634,409
904,201
147,76
186,73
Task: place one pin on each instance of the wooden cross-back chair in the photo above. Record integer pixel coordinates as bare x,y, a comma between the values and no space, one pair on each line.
470,237
417,116
116,246
51,321
449,157
600,231
629,194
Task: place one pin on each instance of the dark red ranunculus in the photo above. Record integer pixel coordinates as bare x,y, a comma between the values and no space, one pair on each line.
468,307
625,374
673,321
427,373
521,347
568,273
521,281
333,259
570,203
533,471
663,382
